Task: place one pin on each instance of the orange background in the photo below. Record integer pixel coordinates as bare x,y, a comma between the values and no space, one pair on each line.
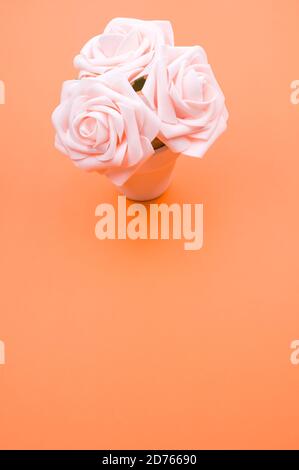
140,344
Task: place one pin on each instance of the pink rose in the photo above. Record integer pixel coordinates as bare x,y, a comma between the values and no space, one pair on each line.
103,125
128,44
184,93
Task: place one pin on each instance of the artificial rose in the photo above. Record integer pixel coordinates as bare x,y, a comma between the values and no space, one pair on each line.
184,93
128,44
103,125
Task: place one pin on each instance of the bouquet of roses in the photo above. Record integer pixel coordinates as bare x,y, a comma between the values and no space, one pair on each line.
137,104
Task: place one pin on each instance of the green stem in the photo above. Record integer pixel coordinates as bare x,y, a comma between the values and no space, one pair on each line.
138,84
